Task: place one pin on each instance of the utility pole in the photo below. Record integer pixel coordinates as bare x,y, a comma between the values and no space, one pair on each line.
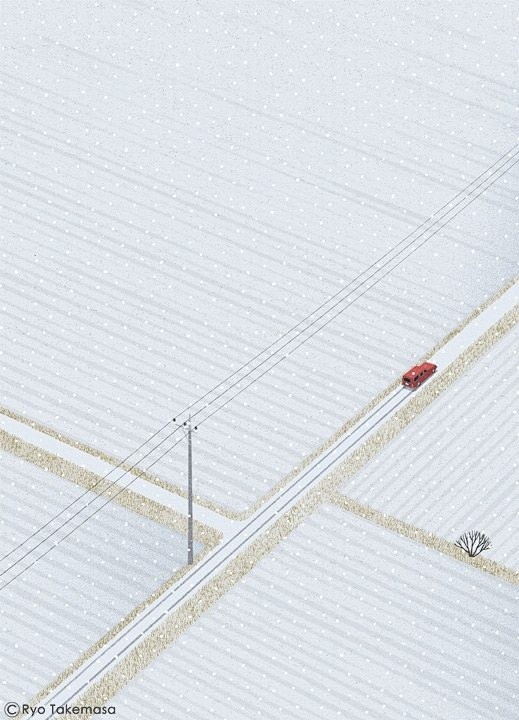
188,431
189,494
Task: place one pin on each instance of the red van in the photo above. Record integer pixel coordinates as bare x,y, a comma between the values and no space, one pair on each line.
418,374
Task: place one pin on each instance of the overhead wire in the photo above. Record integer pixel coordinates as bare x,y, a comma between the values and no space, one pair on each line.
510,155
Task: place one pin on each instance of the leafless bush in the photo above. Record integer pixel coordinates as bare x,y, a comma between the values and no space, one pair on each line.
473,542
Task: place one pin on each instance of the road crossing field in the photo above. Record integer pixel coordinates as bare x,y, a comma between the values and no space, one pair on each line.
455,467
163,232
228,229
343,619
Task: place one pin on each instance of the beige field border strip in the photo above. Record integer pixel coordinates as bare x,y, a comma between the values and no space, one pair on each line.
151,510
398,422
327,491
430,540
360,415
130,500
99,454
245,514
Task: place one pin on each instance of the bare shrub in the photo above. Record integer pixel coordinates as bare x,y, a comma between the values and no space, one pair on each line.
473,542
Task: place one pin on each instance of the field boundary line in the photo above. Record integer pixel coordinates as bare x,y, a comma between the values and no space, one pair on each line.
424,537
325,492
104,639
376,400
248,512
394,426
88,449
130,500
135,502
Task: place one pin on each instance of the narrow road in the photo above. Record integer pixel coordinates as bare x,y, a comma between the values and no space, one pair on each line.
247,531
102,468
216,561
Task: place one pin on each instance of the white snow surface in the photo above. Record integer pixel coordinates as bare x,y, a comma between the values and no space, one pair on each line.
185,181
344,619
78,591
455,467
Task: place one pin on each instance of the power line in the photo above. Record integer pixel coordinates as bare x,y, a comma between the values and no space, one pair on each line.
263,362
350,303
493,173
351,292
512,153
58,542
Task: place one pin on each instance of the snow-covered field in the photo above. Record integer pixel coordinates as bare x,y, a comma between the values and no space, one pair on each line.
185,181
68,600
455,467
344,619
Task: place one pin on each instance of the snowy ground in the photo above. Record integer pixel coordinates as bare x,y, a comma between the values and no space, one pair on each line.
344,619
455,468
68,600
186,181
